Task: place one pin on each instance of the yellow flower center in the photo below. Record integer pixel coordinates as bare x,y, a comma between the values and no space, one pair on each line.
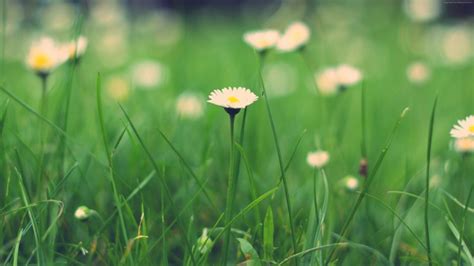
42,61
233,99
471,129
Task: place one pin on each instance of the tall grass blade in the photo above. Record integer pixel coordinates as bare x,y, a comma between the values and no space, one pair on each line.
427,183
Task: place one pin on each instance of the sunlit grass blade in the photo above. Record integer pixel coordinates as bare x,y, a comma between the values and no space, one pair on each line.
268,229
17,247
457,235
33,220
427,181
163,183
367,183
463,223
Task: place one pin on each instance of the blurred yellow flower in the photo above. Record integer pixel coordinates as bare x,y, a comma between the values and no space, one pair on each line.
45,55
262,40
232,97
117,88
317,159
296,36
464,128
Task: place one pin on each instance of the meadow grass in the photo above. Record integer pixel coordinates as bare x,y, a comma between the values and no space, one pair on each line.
164,189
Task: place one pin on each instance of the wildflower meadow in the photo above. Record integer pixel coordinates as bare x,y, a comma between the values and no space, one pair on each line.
236,132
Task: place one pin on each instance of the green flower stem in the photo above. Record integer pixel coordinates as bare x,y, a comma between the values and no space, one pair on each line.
42,134
280,160
230,189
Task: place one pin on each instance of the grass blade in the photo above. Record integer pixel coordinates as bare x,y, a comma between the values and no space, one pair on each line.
427,183
367,183
163,183
268,230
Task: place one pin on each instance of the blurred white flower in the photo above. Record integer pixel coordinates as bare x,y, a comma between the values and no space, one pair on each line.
418,72
317,159
457,45
422,10
262,40
327,81
45,55
296,36
76,48
280,79
333,80
351,183
148,74
232,97
117,88
464,128
348,75
464,145
189,106
82,213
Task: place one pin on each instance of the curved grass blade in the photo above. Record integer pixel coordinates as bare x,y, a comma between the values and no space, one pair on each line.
367,183
399,218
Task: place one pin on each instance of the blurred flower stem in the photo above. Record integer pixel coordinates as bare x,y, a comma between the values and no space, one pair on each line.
42,131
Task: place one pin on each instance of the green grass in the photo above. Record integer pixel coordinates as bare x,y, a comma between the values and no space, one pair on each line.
155,179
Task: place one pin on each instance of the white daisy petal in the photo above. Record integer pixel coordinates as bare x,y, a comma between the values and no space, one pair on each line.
317,159
464,128
262,40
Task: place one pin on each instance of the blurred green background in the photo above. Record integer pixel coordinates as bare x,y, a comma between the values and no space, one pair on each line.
150,55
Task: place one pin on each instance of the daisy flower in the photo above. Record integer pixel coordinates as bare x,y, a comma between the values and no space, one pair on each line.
464,128
464,145
262,40
296,36
44,56
317,159
233,98
76,48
